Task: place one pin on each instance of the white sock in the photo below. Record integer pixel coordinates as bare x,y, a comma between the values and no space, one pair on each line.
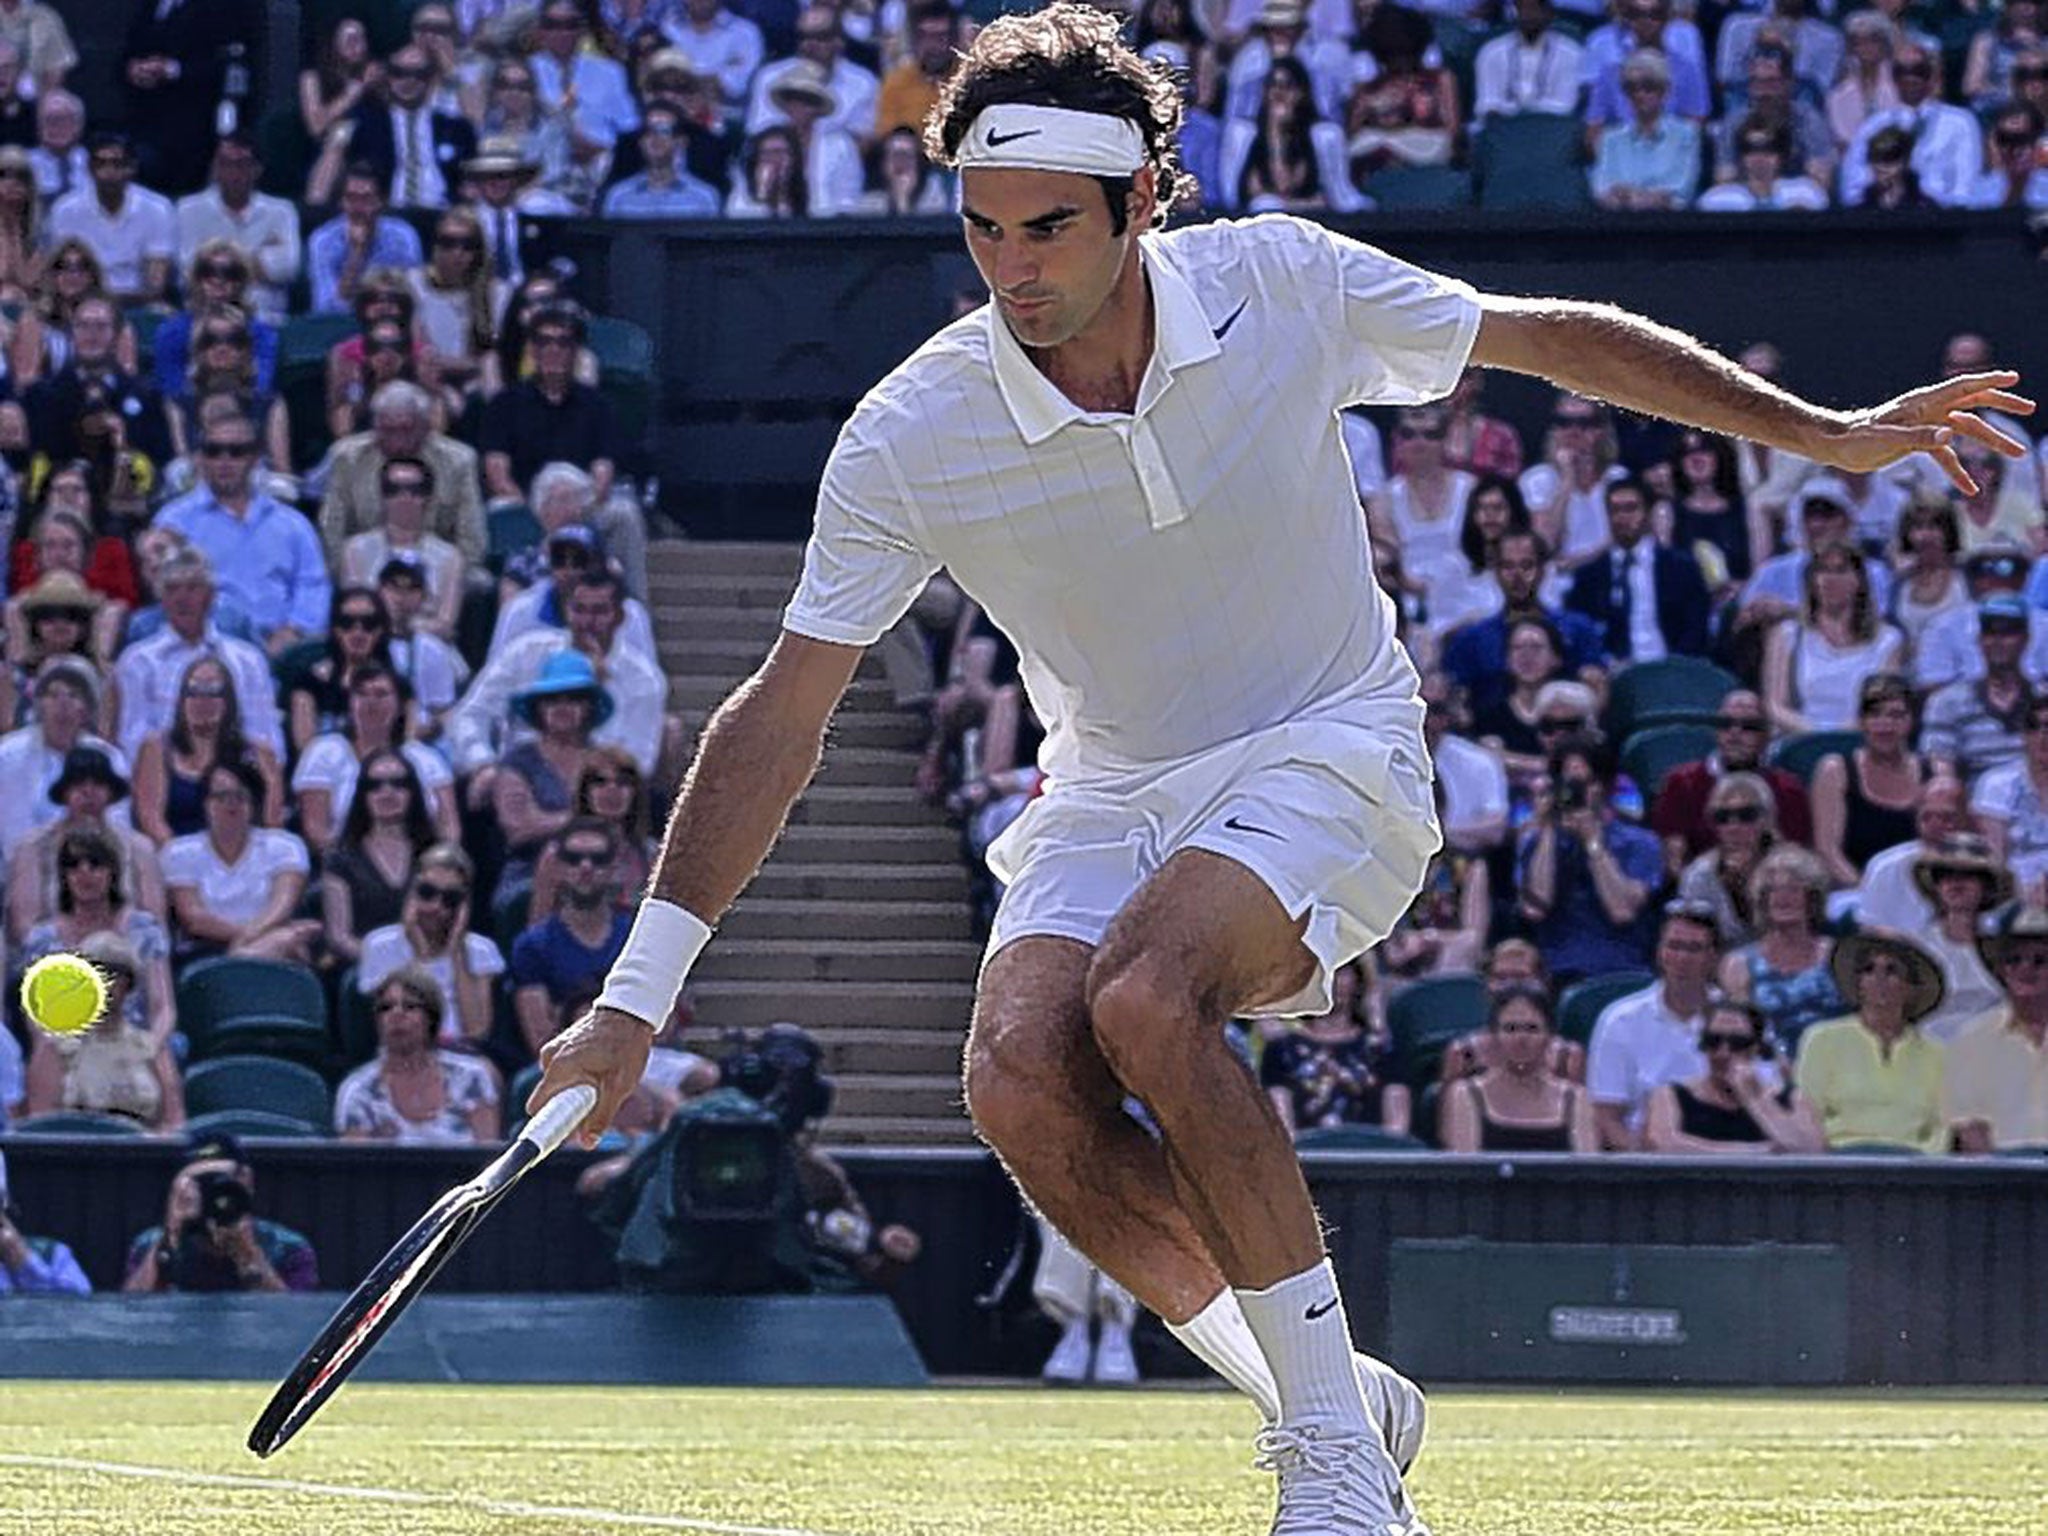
1219,1337
1302,1331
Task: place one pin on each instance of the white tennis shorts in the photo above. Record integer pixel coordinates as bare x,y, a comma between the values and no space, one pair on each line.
1334,814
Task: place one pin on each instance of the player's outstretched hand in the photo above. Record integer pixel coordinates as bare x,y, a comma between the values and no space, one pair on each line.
606,1049
1929,420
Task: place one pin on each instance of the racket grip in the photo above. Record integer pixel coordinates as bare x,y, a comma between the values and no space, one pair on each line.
555,1120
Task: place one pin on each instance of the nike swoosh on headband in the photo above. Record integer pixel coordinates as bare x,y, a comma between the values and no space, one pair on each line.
998,140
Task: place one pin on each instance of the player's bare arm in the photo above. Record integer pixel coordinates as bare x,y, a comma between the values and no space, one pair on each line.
760,748
1613,355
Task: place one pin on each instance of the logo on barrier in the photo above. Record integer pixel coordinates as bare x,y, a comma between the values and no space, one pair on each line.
1617,1325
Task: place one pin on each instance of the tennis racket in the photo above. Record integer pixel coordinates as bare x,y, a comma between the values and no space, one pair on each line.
404,1272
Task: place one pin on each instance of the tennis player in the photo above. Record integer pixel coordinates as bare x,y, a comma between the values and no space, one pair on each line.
1132,460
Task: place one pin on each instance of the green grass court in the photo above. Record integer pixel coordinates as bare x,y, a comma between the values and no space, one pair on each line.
167,1460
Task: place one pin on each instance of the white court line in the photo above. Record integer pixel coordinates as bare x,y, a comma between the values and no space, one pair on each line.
405,1496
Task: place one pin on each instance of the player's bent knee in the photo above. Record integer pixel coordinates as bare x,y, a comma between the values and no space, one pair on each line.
1003,1091
1137,1011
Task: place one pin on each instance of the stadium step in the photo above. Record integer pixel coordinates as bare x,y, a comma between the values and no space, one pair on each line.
687,622
910,1052
835,922
684,557
901,729
898,1095
934,1005
721,589
870,845
897,1131
886,960
881,806
851,767
884,885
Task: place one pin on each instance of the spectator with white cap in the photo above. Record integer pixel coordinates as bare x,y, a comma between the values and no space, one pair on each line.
1973,724
1949,648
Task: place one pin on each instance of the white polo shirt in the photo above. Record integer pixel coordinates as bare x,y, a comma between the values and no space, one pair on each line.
1638,1046
1174,578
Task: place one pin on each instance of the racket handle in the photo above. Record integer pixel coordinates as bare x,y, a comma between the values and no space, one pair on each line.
553,1122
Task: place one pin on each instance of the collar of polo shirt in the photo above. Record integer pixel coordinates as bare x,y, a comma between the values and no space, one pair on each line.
1182,336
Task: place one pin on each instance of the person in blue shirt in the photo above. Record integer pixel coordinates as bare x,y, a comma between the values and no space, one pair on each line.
568,952
361,237
1476,654
1584,877
664,190
34,1266
264,554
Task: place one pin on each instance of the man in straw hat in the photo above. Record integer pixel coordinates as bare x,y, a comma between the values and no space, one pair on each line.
1960,881
1874,1076
1140,433
1997,1081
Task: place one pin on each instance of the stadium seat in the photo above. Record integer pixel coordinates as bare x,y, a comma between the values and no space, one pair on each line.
252,1122
1424,1118
1879,1149
355,1025
268,1007
1420,186
1679,690
625,366
508,529
1425,1018
76,1122
1357,1138
1650,754
258,1082
516,1093
1532,161
1801,754
1579,1009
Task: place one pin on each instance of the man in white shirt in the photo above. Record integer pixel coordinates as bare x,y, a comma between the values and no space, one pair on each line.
1948,148
1131,459
821,46
1651,1037
722,46
151,671
132,230
67,698
1534,68
265,228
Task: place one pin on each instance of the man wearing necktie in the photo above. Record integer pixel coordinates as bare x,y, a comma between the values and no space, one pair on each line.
1650,601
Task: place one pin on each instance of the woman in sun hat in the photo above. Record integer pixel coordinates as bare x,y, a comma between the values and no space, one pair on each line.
1875,1076
1961,881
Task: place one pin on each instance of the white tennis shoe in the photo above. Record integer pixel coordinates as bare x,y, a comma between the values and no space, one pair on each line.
1115,1365
1396,1405
1068,1364
1335,1484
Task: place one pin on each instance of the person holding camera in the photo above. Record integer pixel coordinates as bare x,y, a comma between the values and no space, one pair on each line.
1741,1106
211,1240
34,1266
1585,877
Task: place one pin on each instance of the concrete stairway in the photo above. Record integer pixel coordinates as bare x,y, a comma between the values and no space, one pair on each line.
857,928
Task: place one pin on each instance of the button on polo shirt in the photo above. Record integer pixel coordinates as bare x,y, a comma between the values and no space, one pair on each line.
1174,577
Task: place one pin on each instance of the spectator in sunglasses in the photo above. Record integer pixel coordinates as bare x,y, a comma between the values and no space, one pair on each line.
61,545
1680,813
1943,146
610,789
2015,30
413,148
1762,152
230,218
1877,1079
217,275
415,1093
367,873
2014,176
316,698
386,310
1740,1106
132,230
263,552
329,772
406,485
1744,819
1993,1096
459,303
402,426
564,952
433,931
223,381
88,796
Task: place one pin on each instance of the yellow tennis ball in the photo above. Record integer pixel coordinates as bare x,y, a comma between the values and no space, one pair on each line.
64,994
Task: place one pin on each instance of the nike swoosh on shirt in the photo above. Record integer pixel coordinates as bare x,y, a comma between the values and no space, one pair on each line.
1231,319
1244,826
1315,1312
998,140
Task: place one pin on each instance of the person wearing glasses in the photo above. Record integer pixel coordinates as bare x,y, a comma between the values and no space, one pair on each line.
1649,1038
539,585
151,670
416,150
433,931
565,952
1739,1106
1944,146
1681,814
235,886
591,91
206,728
662,189
325,781
1762,151
316,699
360,237
1745,826
610,789
406,486
218,273
132,230
1424,508
262,552
242,232
1995,1087
1651,159
415,1093
86,796
1877,1079
1584,876
459,304
2013,175
223,380
365,876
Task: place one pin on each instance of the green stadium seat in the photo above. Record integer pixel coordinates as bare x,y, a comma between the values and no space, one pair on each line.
1426,1017
625,368
1579,1009
1536,160
1679,690
258,1082
253,1122
76,1122
1419,186
509,529
1649,755
355,1025
268,1007
1357,1138
1801,754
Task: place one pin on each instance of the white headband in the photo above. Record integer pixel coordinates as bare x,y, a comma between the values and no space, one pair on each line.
1012,136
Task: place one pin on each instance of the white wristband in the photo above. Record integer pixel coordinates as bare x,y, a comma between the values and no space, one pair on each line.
659,952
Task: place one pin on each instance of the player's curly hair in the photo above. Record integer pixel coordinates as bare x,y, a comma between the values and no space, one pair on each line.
1071,56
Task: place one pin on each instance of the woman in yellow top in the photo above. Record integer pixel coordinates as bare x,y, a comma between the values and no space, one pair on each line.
1876,1079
